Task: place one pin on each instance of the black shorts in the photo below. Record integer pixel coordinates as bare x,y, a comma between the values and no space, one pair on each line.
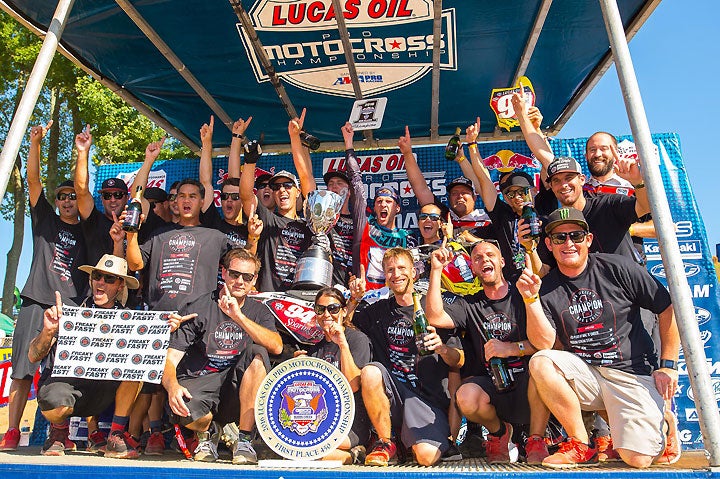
29,322
512,406
413,416
87,397
217,393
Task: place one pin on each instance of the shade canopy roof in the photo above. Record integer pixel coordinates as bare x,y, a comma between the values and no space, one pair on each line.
180,61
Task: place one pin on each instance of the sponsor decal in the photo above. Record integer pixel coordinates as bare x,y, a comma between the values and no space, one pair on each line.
691,415
391,40
690,270
715,387
689,249
686,435
501,102
702,315
304,408
507,160
181,243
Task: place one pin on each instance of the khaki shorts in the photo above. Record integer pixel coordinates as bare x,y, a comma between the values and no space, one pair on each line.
633,404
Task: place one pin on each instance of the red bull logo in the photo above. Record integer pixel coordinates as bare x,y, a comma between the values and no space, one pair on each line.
506,160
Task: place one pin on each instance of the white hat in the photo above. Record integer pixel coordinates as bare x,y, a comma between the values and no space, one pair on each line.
118,267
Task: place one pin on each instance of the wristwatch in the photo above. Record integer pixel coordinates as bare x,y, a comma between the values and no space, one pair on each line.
669,364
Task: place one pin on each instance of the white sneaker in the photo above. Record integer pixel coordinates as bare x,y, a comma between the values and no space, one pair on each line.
206,450
243,453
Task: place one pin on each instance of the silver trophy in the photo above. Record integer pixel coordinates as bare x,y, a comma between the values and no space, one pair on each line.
314,268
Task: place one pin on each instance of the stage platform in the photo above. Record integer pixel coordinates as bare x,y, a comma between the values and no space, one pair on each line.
27,463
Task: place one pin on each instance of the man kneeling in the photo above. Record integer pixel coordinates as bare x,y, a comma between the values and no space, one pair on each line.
59,397
210,363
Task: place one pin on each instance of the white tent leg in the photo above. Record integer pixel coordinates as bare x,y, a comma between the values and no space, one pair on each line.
695,358
29,98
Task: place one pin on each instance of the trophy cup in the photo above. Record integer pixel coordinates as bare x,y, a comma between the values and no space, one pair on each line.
314,269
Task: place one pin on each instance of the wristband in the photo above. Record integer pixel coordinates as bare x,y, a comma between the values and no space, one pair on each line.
239,136
253,237
630,231
472,145
531,299
639,185
521,347
669,364
460,159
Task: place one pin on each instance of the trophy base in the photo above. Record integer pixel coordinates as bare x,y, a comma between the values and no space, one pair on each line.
314,270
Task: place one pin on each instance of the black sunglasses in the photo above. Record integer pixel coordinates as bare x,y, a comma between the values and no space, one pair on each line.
247,277
332,308
65,196
285,184
575,236
262,185
432,216
233,196
172,196
108,278
515,193
491,241
115,194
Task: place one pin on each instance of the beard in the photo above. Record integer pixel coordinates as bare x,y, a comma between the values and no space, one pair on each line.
597,170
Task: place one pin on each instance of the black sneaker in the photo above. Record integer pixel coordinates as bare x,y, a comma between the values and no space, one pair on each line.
453,454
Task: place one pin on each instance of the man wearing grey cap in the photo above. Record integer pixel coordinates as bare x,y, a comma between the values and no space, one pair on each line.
590,304
58,250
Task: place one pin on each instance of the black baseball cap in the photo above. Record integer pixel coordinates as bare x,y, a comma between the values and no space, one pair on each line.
156,194
114,184
336,174
519,179
565,215
461,181
65,185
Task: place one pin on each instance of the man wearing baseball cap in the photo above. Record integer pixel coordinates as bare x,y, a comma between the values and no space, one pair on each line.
58,250
62,397
461,193
591,304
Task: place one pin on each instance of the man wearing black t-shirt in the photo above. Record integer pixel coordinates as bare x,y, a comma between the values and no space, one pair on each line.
402,390
208,368
182,259
494,321
285,235
58,250
590,304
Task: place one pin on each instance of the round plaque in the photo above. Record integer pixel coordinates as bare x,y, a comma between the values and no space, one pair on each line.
304,409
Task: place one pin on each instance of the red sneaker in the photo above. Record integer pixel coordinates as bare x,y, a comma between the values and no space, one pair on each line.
673,448
121,445
535,450
605,449
56,441
155,445
10,440
572,453
497,449
382,454
97,441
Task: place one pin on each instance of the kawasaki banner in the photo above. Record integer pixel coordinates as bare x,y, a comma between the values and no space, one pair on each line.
386,167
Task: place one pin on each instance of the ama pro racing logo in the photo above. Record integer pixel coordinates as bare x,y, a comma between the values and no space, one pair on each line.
392,43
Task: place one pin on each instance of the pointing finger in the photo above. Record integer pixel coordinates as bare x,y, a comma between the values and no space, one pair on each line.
212,121
58,300
362,272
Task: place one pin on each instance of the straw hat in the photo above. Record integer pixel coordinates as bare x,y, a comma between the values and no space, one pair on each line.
118,267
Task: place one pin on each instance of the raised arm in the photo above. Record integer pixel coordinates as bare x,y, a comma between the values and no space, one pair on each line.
434,309
247,179
301,155
205,173
539,329
529,119
152,151
85,201
37,133
238,137
629,169
487,190
261,335
415,175
358,195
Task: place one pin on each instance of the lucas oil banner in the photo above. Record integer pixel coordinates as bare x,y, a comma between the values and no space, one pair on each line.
386,167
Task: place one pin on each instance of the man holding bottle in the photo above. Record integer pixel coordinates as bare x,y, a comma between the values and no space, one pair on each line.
401,391
494,395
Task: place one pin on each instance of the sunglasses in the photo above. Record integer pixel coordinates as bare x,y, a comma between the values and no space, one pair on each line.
172,196
515,193
118,195
233,196
247,277
262,186
332,308
491,241
575,236
108,278
432,216
66,196
285,184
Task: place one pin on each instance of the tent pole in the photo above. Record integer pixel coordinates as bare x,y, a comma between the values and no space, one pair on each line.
435,85
30,96
695,358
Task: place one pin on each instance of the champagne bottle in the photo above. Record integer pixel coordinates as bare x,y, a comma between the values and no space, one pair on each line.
501,375
133,212
530,215
420,324
309,140
453,146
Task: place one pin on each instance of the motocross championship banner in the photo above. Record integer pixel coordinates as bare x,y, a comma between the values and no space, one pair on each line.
385,167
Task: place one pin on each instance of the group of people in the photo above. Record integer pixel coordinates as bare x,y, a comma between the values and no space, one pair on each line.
576,318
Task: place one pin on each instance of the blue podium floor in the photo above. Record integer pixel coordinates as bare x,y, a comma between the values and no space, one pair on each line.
27,463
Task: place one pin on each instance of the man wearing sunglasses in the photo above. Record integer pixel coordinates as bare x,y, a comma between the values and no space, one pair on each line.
590,306
209,373
263,192
62,397
58,250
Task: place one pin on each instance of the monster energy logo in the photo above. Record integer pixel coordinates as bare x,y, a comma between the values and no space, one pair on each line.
564,213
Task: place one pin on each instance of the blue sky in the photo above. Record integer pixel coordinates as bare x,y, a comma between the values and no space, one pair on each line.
677,66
